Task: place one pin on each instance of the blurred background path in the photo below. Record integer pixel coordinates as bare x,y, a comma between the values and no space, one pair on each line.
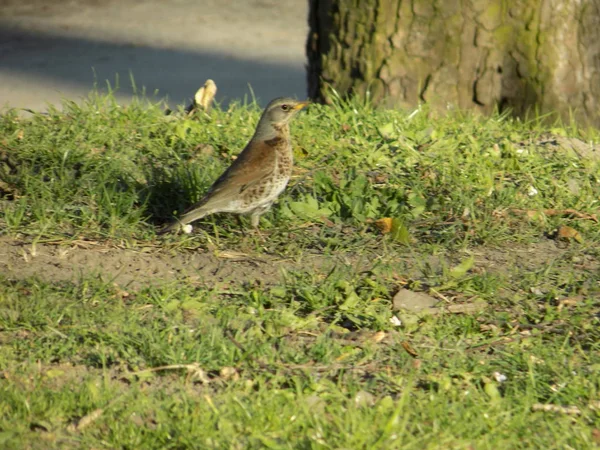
55,49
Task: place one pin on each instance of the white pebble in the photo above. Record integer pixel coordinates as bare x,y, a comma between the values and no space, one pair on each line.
395,321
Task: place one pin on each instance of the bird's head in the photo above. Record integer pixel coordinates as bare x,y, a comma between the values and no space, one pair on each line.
277,114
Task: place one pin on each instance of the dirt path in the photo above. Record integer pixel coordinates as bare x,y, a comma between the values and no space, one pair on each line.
137,268
54,49
126,267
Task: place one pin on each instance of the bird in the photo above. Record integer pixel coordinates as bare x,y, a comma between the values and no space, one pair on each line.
259,174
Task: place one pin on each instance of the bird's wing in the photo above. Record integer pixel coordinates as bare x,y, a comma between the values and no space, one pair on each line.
256,162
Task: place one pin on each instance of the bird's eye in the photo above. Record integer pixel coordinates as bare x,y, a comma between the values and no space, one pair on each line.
285,107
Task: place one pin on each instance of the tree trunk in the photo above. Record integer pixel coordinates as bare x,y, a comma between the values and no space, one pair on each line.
479,54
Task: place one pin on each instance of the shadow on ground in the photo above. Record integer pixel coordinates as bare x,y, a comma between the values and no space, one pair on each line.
62,63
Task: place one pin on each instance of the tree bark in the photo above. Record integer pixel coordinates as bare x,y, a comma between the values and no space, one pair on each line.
477,54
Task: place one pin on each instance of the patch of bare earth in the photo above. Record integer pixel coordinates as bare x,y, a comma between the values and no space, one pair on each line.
136,268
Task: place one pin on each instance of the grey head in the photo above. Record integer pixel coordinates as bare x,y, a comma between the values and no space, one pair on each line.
277,115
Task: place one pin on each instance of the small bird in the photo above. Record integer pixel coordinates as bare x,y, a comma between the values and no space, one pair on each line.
259,174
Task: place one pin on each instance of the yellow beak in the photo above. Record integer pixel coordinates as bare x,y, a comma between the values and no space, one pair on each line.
300,105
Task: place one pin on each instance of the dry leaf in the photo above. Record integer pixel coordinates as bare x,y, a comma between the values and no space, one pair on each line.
569,301
384,225
327,222
378,178
394,226
205,95
488,327
411,351
378,337
596,435
204,149
568,233
570,212
120,293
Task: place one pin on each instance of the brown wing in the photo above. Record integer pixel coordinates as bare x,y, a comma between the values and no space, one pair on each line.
256,162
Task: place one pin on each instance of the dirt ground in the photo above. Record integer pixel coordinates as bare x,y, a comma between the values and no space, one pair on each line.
137,268
55,49
126,267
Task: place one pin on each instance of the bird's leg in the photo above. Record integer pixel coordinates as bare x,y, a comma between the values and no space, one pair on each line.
254,220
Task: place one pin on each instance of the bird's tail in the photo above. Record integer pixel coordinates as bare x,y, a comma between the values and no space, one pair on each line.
188,217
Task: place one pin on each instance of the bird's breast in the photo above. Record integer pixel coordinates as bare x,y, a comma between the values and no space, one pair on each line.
285,158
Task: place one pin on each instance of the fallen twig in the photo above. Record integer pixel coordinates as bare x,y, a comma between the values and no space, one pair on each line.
193,369
556,212
86,420
569,410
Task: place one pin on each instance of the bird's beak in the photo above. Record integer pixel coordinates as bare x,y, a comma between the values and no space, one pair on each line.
298,106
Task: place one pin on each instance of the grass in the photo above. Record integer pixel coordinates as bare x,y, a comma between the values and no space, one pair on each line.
308,358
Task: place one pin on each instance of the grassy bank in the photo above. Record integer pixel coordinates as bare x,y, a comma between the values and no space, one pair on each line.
493,218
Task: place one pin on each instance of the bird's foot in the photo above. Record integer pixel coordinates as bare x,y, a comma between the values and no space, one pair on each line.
261,236
175,228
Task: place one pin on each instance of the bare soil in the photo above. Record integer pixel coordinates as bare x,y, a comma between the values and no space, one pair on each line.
135,268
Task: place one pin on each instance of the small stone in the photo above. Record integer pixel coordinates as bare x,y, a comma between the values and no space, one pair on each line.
395,321
229,373
500,377
364,398
413,301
